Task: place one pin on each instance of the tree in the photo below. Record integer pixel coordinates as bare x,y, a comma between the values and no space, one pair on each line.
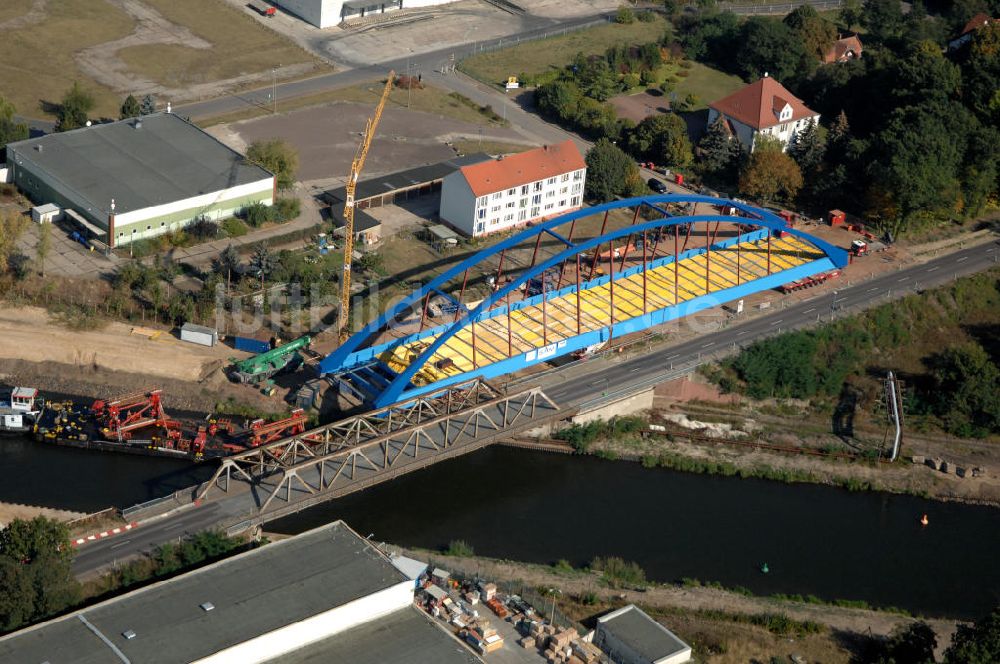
228,262
130,108
44,246
624,15
717,150
76,105
965,395
148,106
924,74
710,38
981,74
608,171
913,644
850,13
262,262
663,139
559,99
808,146
10,129
35,560
278,157
978,643
914,162
814,31
882,18
770,174
769,47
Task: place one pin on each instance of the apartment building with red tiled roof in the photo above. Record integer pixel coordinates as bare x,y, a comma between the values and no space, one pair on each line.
515,190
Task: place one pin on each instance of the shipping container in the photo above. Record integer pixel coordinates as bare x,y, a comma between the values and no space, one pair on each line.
198,334
251,345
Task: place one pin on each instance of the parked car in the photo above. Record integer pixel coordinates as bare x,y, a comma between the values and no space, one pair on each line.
657,186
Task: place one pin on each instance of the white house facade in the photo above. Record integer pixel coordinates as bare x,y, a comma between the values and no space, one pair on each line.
503,193
764,107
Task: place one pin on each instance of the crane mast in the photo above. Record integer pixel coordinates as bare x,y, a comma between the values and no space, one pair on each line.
352,182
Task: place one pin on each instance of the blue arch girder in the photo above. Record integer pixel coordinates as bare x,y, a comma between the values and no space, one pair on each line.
348,355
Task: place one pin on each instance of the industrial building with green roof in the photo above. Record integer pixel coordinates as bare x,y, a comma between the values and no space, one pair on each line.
138,178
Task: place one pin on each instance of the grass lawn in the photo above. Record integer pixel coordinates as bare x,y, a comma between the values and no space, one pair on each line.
707,84
14,8
241,45
36,61
536,57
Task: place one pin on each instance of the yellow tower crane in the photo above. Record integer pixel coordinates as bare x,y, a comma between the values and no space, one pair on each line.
352,182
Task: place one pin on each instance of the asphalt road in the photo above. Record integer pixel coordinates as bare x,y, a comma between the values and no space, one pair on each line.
618,378
601,381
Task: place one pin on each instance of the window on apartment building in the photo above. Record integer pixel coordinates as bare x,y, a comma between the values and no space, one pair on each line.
575,200
536,199
482,200
534,211
511,204
481,213
524,190
524,203
563,190
576,188
578,175
562,203
549,206
495,208
508,217
497,195
564,177
480,227
551,181
522,215
537,186
784,128
550,194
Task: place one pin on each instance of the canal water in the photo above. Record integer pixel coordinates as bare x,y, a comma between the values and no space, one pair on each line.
540,507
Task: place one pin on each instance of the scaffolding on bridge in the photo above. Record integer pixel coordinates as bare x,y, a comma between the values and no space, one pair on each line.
621,281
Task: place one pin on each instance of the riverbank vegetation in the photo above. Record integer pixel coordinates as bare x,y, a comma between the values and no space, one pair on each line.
942,343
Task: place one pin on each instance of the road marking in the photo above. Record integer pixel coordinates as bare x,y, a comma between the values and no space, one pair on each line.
670,357
871,290
710,343
808,310
634,370
115,546
740,334
598,382
963,258
933,268
776,322
899,281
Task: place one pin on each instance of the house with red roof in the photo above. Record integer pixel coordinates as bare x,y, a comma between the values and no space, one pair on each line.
514,190
765,107
844,49
977,22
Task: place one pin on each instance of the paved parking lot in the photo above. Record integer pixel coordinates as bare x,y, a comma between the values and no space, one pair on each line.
66,258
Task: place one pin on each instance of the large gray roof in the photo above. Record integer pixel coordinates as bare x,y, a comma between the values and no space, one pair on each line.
385,184
648,638
253,593
403,637
161,159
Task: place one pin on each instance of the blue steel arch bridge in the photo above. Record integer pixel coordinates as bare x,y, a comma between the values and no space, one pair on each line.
666,265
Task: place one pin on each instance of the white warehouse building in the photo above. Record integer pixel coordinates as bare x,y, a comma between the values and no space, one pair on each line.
138,178
328,13
507,192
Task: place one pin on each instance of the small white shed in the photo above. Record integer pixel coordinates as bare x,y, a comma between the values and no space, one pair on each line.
199,334
45,214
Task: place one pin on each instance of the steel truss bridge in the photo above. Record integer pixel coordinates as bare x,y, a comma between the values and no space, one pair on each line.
357,452
590,291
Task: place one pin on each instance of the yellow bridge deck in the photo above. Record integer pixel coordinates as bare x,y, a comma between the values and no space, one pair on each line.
491,338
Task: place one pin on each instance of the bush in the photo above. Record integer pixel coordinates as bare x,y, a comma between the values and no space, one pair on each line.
233,227
618,573
624,15
459,548
647,16
257,214
286,209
